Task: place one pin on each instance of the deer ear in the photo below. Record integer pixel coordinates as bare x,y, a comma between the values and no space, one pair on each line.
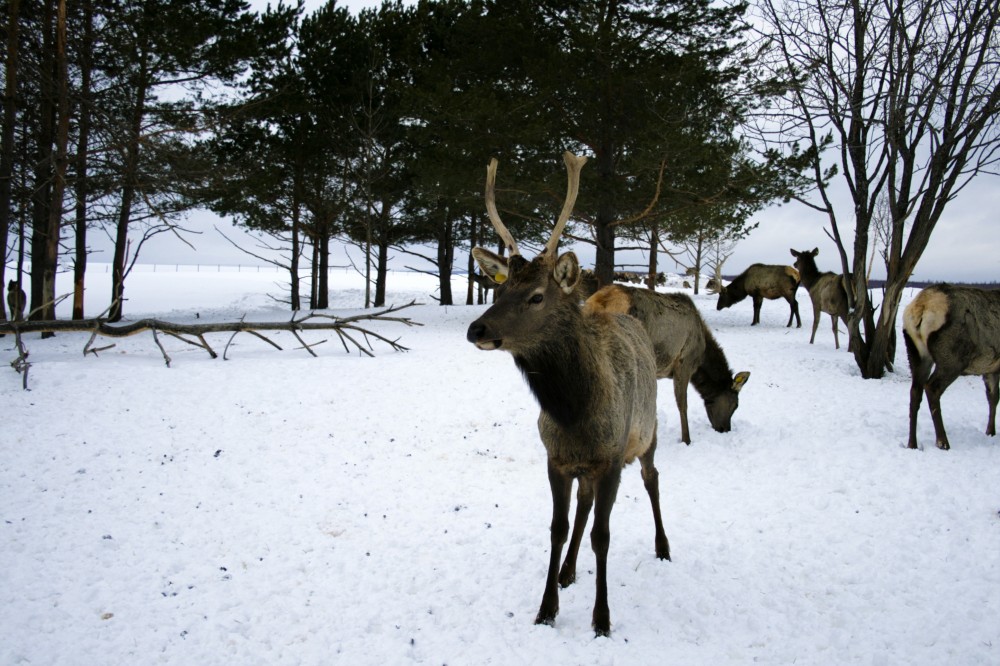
493,265
814,252
794,253
740,379
567,272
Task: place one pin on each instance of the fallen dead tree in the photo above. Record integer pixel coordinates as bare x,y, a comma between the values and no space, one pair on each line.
349,329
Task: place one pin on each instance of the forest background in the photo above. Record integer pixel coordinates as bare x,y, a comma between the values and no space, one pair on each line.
370,127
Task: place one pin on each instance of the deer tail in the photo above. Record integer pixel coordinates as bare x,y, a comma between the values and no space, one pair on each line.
927,313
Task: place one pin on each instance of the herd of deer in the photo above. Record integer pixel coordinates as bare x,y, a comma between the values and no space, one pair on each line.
593,369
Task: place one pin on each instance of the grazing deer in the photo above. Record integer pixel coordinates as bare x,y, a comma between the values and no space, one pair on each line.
761,281
684,349
16,300
826,290
594,376
954,331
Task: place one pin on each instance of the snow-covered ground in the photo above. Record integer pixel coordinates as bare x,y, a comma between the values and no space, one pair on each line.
276,508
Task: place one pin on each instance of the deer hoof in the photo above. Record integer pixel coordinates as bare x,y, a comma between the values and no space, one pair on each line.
545,617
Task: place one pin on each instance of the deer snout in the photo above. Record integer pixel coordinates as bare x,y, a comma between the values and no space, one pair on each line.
478,336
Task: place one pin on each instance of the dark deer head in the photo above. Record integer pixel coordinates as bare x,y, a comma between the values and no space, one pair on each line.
537,293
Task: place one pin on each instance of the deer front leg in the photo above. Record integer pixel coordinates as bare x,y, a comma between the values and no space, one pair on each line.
600,540
816,317
651,480
757,301
992,382
562,487
584,502
680,397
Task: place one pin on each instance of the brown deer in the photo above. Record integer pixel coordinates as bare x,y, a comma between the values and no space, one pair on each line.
761,281
594,376
684,348
826,290
16,300
955,331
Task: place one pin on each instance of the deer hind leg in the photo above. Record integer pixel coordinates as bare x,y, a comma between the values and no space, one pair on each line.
562,490
919,369
600,540
651,479
584,502
794,314
757,300
939,381
992,382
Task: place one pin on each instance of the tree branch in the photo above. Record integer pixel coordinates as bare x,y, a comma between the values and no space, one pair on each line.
343,326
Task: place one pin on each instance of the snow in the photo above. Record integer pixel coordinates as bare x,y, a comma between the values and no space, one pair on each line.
276,508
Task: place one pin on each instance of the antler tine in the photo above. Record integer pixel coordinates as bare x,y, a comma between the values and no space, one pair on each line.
573,166
491,209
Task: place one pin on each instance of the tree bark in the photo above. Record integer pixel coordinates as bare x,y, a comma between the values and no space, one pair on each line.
7,139
129,183
83,144
41,196
445,257
54,225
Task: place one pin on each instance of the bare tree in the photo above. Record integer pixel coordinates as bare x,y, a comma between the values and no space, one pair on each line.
908,92
706,249
717,253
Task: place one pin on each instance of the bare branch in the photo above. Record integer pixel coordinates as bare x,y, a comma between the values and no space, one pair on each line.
343,326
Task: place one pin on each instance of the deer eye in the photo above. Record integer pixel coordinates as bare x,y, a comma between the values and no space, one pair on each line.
535,299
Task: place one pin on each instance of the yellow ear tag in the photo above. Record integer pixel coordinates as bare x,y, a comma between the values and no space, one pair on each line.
500,278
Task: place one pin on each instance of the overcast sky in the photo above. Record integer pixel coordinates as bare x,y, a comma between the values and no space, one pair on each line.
965,245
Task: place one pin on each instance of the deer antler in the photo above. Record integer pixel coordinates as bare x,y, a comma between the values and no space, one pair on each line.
573,166
491,209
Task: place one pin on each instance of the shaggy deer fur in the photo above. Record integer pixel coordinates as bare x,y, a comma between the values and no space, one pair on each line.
954,331
761,281
594,377
684,347
826,290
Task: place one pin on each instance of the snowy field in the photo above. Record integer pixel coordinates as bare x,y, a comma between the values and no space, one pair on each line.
276,508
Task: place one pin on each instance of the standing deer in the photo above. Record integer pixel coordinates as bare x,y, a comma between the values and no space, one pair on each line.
761,281
955,331
826,290
684,348
594,376
16,300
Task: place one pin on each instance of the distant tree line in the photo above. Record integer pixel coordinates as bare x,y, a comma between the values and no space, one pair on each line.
121,116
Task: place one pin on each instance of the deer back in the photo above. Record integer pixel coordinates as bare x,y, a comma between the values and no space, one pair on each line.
771,281
672,322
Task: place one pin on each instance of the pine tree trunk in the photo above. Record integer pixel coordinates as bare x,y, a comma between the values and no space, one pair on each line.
83,141
7,139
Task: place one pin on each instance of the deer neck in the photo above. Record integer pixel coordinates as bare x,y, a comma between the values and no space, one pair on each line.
560,375
713,376
808,274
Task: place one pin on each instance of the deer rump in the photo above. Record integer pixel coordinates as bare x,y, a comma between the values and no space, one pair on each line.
684,348
951,331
